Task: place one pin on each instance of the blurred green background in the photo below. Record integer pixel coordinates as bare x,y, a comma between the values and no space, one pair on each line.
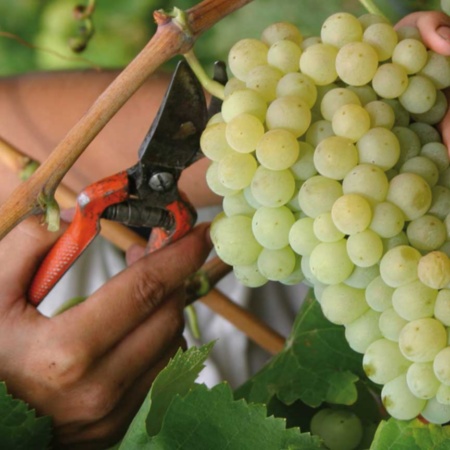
124,26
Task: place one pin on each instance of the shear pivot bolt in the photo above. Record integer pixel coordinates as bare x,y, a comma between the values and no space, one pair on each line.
161,181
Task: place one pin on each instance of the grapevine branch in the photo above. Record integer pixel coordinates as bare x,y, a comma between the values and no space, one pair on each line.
171,38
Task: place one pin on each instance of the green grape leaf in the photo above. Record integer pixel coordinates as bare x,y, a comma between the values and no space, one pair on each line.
175,379
316,365
211,419
410,435
19,426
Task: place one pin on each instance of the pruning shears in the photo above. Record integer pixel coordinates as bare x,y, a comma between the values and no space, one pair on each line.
146,194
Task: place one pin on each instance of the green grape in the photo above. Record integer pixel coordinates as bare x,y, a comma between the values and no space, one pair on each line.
383,361
390,80
213,182
365,93
298,84
296,276
318,131
402,117
335,156
443,394
435,151
301,236
272,187
383,38
398,266
324,228
422,381
423,166
426,233
351,213
304,167
233,84
428,134
420,95
356,63
264,79
281,30
364,248
411,193
236,204
245,55
271,226
399,401
277,264
334,99
289,113
387,219
414,300
234,241
422,339
442,307
408,32
284,55
444,178
318,62
441,365
435,412
213,142
243,133
394,241
236,170
437,112
380,113
340,429
318,194
342,304
277,149
351,121
368,19
362,276
215,118
411,54
311,40
310,279
409,144
445,6
251,200
379,294
437,69
340,29
249,275
379,146
391,324
244,101
363,331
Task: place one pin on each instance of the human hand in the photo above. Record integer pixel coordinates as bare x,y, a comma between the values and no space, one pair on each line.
91,366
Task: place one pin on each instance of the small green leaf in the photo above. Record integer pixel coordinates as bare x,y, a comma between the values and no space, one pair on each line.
19,426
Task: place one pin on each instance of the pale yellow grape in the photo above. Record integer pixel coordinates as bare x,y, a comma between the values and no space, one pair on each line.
284,55
243,133
304,168
281,30
411,54
213,142
363,331
236,170
271,226
361,277
244,101
318,194
436,152
318,62
441,201
264,79
437,69
365,248
383,38
379,294
334,99
299,84
367,180
421,380
422,166
408,32
249,275
342,304
215,118
414,300
251,200
437,111
234,241
379,146
442,307
272,187
419,96
351,121
422,339
441,366
324,228
398,266
394,241
391,324
435,412
335,156
383,361
409,144
233,84
434,269
213,182
301,236
387,219
340,29
390,80
234,204
277,149
289,113
426,233
368,19
402,117
329,262
351,213
443,394
381,114
398,400
356,63
411,193
246,54
278,264
318,131
365,93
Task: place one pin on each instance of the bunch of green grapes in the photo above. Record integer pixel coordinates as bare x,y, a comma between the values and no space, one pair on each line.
333,173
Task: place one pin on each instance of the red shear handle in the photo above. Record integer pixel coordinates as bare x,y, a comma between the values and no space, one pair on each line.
83,229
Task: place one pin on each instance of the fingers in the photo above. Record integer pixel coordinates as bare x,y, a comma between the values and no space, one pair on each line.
123,303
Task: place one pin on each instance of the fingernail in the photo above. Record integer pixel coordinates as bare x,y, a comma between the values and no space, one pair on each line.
444,32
